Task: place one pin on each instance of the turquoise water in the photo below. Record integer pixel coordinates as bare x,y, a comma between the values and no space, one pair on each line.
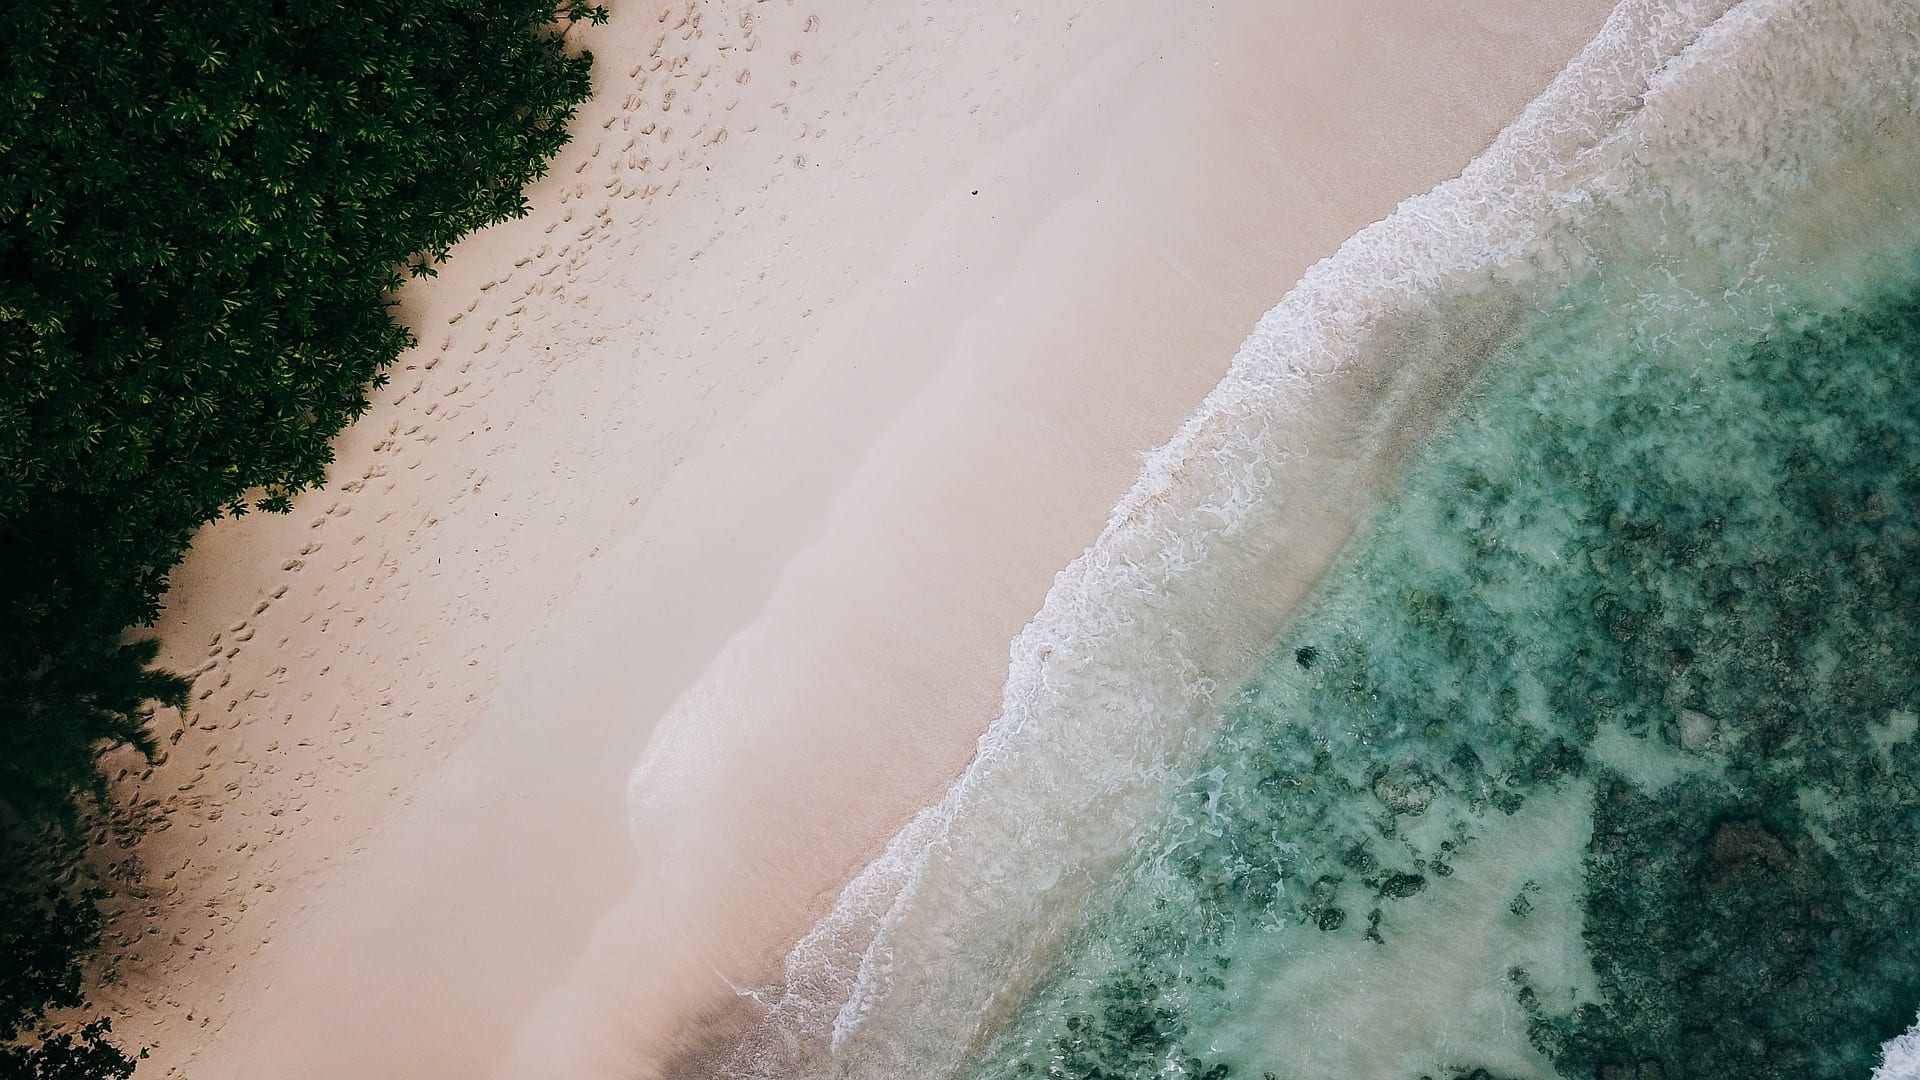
1509,669
1594,756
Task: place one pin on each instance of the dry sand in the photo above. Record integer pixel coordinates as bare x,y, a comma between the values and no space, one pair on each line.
835,333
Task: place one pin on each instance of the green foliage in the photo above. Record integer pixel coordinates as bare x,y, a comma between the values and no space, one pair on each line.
204,208
43,927
49,922
81,698
77,1053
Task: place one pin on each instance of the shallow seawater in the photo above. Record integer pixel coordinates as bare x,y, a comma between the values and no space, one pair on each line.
1595,755
1509,670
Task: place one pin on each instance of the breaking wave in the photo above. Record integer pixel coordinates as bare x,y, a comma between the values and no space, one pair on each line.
1710,143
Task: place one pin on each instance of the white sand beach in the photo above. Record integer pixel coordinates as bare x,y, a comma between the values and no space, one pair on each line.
833,336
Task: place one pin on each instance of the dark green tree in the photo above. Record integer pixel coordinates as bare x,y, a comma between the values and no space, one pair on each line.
205,206
83,698
49,922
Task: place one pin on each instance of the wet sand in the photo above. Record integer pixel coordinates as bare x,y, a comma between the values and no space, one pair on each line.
832,337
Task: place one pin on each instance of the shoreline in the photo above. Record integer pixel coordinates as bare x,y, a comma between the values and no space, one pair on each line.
575,493
1128,654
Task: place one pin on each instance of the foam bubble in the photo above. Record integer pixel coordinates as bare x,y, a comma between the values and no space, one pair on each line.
1688,117
1900,1057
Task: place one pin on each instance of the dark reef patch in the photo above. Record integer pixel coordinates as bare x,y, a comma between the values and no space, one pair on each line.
1682,578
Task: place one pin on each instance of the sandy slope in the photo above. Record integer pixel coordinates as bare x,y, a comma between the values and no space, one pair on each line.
834,334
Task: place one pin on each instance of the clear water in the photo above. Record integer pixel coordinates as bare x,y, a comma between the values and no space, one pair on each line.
1510,670
1597,750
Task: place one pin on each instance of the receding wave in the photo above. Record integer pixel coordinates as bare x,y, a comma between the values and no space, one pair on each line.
1900,1057
1711,143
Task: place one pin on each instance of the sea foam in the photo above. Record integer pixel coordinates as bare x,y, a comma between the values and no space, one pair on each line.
1689,120
1900,1057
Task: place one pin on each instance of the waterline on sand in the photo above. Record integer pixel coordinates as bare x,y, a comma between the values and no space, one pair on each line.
1717,136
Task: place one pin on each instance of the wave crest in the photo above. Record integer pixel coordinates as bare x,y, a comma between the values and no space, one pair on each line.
1679,115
